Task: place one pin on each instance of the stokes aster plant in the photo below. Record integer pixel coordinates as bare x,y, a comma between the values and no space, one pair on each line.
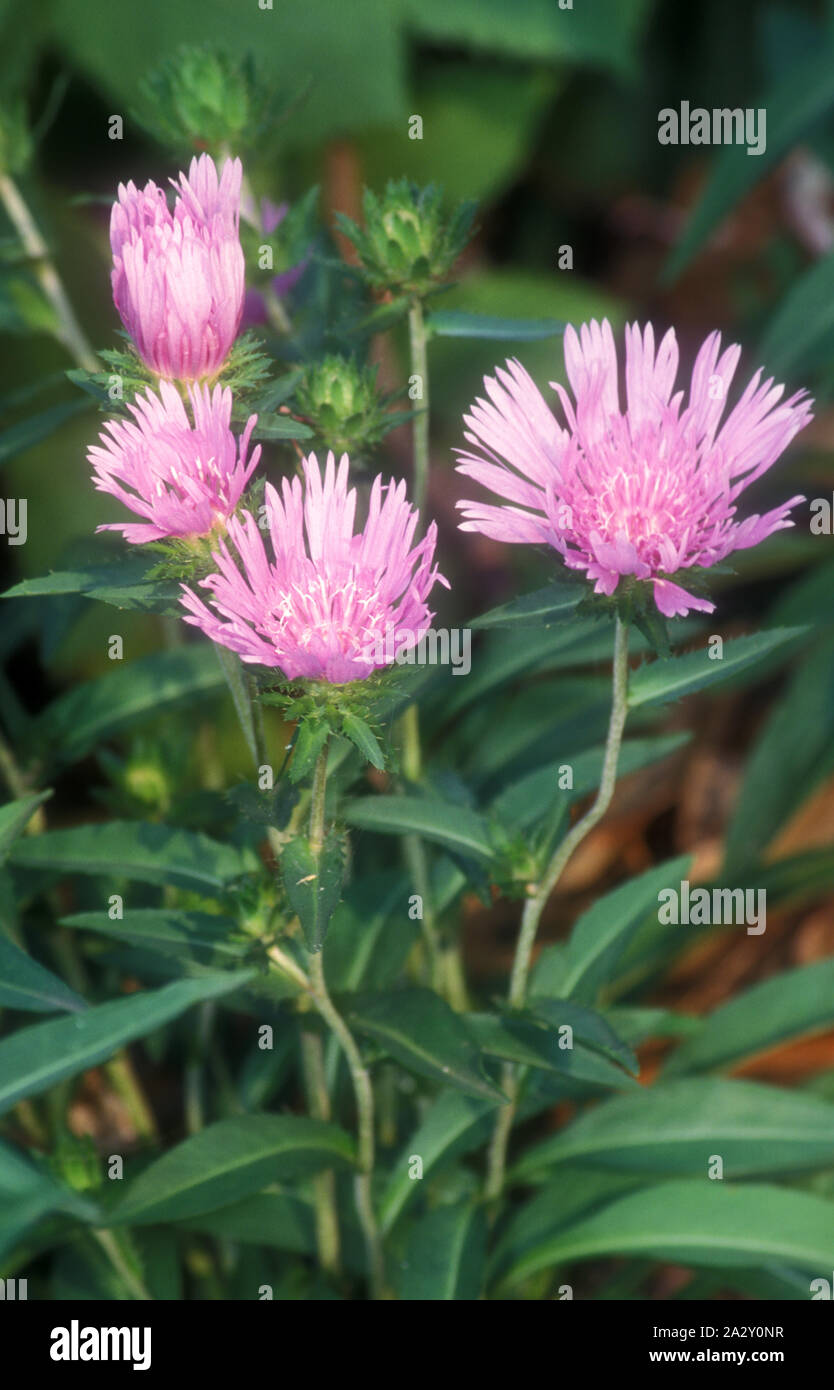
362,1114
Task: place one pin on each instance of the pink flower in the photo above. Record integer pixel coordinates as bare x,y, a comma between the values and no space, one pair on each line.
645,492
178,276
324,606
185,479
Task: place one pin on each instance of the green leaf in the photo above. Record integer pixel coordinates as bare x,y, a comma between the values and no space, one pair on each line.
420,1031
801,96
574,1193
553,604
601,935
696,1222
238,683
230,1160
588,1026
802,321
24,984
676,1127
794,752
313,881
137,850
787,1005
525,1042
35,1058
310,739
370,935
456,827
27,433
445,1256
14,818
279,1220
525,802
124,584
452,323
95,710
454,1124
671,679
281,427
183,935
28,1193
364,739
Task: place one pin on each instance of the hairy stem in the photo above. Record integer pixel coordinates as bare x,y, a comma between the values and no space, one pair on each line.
69,332
534,906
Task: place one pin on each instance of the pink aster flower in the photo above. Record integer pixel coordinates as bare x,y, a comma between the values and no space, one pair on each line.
323,604
184,478
178,276
647,491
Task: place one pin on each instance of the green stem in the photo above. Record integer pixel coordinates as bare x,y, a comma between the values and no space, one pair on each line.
131,1280
360,1077
69,330
324,1184
419,367
534,906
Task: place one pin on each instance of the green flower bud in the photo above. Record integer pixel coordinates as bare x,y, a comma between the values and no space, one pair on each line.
200,98
408,244
340,399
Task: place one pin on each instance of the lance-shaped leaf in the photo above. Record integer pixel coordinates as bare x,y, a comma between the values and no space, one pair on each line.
138,850
313,880
672,678
34,1058
787,1005
696,1222
454,323
458,828
419,1029
454,1124
27,985
523,1040
230,1160
552,604
445,1257
678,1126
14,818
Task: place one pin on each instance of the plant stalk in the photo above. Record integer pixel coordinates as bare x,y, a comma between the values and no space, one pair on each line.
535,904
70,332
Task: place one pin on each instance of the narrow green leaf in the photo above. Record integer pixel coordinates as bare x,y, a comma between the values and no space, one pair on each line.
34,1058
601,935
238,683
453,323
677,1127
454,1124
525,1042
456,827
230,1160
363,737
14,818
787,1005
586,1025
671,679
696,1222
95,710
445,1256
183,935
279,1220
138,850
553,604
25,984
419,1029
